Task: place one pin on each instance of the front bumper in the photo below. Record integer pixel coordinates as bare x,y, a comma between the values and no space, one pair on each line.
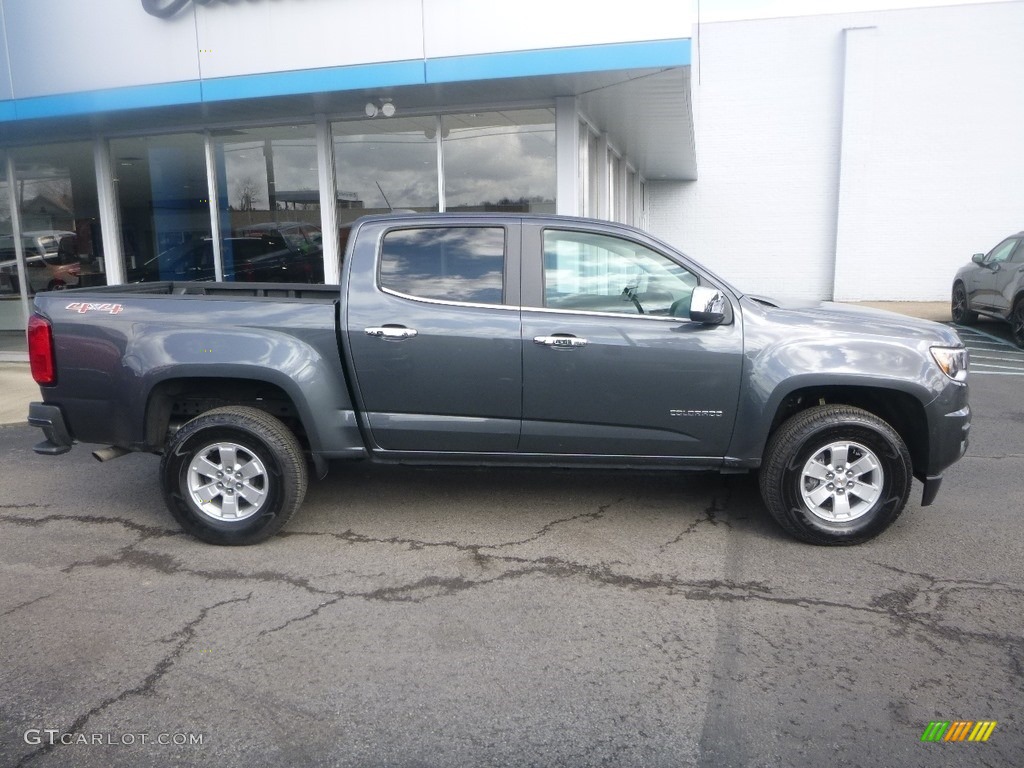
950,438
50,419
948,441
931,488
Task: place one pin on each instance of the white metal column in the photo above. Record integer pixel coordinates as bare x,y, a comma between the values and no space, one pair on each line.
212,193
568,200
19,250
328,201
439,139
604,180
856,178
110,214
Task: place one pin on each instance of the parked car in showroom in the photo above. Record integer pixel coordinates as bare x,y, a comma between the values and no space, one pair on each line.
50,260
298,255
993,285
245,259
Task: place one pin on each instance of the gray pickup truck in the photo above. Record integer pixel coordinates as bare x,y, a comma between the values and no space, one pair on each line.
500,340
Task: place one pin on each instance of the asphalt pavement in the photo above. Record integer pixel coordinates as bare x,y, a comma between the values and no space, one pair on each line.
424,617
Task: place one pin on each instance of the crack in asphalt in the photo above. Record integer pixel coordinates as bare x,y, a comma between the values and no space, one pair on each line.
351,536
710,516
894,605
899,602
133,557
708,590
147,531
183,636
27,603
937,581
990,458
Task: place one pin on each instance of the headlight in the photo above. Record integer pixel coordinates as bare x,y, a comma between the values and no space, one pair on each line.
952,361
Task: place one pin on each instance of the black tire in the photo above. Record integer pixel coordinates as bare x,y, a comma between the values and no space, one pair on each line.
960,307
798,467
56,285
270,476
1017,323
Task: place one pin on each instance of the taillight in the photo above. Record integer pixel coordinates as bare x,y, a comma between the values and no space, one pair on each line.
40,351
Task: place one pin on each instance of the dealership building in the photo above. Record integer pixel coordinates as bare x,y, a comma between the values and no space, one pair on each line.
853,156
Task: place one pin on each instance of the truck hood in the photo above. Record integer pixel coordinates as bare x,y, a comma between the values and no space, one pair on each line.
845,319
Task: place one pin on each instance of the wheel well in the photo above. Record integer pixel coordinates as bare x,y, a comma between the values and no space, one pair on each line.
174,402
901,411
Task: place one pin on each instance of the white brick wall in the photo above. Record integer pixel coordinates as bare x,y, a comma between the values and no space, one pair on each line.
802,196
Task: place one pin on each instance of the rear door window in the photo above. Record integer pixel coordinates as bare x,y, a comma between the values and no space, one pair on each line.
460,264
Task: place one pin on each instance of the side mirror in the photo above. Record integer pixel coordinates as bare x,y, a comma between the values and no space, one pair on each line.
708,306
978,258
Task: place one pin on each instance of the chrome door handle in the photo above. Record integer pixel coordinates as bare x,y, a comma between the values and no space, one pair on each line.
560,342
391,332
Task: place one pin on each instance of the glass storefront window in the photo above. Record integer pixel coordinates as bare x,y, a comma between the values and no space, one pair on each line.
165,215
385,164
55,192
269,205
500,161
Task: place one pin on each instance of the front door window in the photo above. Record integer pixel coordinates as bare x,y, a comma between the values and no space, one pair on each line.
598,273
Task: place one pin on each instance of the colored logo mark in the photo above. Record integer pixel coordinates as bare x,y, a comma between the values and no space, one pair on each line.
959,730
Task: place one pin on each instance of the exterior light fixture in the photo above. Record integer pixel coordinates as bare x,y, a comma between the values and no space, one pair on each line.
386,108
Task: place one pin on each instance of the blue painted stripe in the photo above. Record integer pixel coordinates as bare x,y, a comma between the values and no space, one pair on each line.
131,97
591,58
558,61
314,81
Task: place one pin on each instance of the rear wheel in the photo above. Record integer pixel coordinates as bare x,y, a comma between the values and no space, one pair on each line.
56,285
1017,322
960,308
835,474
233,476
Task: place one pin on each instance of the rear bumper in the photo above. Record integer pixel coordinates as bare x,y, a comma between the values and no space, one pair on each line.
50,419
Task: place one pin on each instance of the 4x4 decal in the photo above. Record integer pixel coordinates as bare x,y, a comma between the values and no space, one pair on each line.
81,307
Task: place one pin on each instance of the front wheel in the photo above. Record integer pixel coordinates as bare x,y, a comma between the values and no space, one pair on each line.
233,476
835,474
